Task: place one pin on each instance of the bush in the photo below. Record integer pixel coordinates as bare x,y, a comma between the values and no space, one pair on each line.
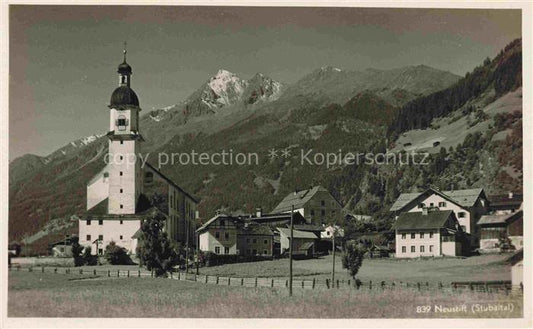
89,259
76,253
352,259
117,255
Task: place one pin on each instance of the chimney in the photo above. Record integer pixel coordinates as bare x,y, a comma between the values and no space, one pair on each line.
510,195
424,211
258,212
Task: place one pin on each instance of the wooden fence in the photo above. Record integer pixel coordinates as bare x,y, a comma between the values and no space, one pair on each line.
475,286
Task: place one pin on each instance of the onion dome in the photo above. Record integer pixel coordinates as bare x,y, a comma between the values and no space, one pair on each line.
122,96
124,68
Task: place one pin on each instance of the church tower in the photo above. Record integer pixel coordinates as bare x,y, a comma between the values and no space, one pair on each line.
119,196
125,174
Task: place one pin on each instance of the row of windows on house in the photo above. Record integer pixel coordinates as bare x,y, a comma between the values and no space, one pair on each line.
322,212
100,237
248,240
431,204
413,249
248,251
460,214
323,203
413,235
101,222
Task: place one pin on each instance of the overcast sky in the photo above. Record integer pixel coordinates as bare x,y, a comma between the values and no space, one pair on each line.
63,59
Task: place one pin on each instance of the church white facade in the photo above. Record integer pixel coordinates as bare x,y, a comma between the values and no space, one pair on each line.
123,193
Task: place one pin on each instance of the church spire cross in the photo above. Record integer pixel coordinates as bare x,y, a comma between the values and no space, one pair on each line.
125,51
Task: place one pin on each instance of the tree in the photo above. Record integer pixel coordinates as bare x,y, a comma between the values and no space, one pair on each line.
352,259
88,257
117,255
504,243
154,248
76,252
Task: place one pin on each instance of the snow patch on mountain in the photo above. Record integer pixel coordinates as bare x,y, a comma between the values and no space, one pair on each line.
72,147
225,89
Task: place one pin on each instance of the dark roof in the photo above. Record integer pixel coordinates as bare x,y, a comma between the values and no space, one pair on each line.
124,68
305,246
310,228
122,96
134,135
209,222
256,229
464,198
137,234
297,234
298,199
67,241
417,220
499,219
516,257
505,200
277,219
168,180
101,208
266,220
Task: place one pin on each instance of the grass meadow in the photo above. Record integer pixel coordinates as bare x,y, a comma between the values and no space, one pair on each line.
35,294
432,270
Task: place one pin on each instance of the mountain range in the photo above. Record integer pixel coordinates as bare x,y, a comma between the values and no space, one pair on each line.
327,110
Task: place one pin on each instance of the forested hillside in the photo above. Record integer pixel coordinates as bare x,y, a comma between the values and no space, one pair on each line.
503,73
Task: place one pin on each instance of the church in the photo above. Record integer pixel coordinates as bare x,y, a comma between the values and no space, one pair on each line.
123,192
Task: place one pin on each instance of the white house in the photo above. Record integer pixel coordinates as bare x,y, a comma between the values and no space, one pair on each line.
127,189
219,235
315,204
467,205
428,233
254,235
517,269
331,230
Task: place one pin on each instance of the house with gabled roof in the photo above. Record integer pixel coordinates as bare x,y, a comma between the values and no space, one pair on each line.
315,204
468,205
505,203
304,241
252,235
497,226
428,233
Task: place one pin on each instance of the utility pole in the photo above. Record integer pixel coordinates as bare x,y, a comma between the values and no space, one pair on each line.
65,245
333,269
290,252
97,249
187,247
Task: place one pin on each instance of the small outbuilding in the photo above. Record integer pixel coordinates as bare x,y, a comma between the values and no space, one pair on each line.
304,242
